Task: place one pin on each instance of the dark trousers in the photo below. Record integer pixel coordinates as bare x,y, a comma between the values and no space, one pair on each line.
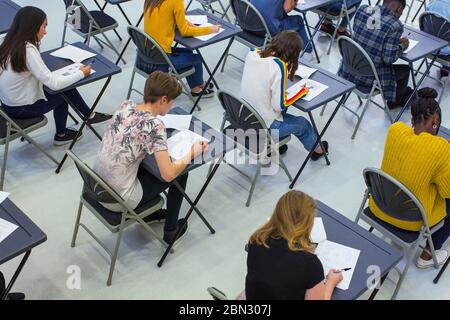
402,72
440,236
2,285
54,102
152,187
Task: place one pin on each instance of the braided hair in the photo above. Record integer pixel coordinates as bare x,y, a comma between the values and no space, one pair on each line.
425,106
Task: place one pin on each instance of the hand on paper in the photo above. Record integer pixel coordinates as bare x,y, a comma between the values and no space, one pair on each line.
86,70
215,28
198,148
405,42
334,277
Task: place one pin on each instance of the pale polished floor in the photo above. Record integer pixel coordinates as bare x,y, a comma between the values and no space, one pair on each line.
202,259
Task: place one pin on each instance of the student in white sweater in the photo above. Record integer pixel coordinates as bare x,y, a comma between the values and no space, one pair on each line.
263,86
23,74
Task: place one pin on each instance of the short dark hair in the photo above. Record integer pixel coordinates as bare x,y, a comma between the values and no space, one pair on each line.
425,105
160,84
402,2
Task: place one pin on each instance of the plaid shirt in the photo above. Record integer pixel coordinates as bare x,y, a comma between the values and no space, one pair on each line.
378,31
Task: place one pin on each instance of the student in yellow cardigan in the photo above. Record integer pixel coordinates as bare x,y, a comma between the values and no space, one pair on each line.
160,20
420,160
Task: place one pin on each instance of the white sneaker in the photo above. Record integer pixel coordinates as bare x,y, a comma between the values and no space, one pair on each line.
441,256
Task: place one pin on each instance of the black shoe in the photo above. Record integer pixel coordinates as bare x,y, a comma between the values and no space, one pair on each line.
443,73
209,93
15,296
99,118
316,156
169,236
283,149
67,138
155,217
327,27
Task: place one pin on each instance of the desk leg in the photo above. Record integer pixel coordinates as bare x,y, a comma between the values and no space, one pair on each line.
124,14
191,209
413,76
211,77
85,123
439,275
311,38
16,274
128,41
313,123
375,291
413,94
319,138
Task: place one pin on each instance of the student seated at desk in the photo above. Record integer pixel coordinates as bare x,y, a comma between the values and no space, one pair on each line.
135,132
160,20
420,160
275,14
442,7
263,86
281,264
383,41
335,8
23,74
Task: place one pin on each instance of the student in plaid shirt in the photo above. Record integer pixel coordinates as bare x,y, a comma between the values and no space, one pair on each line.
379,31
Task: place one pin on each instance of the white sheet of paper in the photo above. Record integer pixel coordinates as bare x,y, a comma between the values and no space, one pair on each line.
315,88
176,121
300,2
69,70
412,44
197,19
337,256
181,143
6,228
3,196
318,233
207,37
73,53
304,72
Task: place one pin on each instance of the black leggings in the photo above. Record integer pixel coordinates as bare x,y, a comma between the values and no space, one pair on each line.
152,187
402,72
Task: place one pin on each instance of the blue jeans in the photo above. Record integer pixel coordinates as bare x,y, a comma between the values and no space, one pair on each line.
296,23
299,127
182,60
440,236
54,102
337,6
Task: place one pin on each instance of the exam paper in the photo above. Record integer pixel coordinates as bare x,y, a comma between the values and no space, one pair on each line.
315,88
73,53
197,19
412,44
304,72
181,143
337,256
69,70
176,121
300,2
318,233
207,37
6,228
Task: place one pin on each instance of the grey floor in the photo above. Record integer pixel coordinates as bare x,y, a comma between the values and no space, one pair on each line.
202,259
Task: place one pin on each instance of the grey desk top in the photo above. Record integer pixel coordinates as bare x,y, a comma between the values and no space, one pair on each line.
24,238
230,31
219,144
102,66
426,46
374,251
444,132
312,4
8,10
337,87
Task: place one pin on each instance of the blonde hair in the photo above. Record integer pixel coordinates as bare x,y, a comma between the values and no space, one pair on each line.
292,220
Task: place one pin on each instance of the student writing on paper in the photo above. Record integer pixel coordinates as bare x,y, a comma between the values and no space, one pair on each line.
281,264
23,74
420,160
160,20
134,132
263,86
379,31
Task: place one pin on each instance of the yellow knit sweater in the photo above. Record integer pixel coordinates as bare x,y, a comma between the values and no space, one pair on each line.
421,163
161,22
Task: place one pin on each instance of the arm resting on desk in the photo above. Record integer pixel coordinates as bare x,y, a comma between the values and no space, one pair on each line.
170,170
392,49
183,26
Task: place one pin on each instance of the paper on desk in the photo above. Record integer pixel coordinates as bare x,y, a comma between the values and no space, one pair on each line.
318,233
207,37
176,121
6,228
3,196
181,143
300,2
412,44
73,53
315,88
197,19
69,70
337,256
304,72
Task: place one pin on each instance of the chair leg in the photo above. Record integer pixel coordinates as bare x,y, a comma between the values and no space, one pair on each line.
133,74
5,155
283,165
252,188
433,251
116,251
361,207
366,105
77,225
410,255
444,85
334,36
113,48
409,11
224,61
99,43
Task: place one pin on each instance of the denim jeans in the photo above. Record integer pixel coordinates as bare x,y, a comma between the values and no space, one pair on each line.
54,102
440,236
296,23
337,6
299,127
182,59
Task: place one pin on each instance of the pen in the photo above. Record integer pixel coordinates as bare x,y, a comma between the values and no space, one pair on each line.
345,269
92,62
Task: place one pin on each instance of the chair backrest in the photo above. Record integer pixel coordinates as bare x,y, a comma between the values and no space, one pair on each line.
393,198
85,16
148,49
435,24
249,18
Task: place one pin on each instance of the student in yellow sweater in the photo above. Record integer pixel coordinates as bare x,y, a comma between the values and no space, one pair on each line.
160,20
420,160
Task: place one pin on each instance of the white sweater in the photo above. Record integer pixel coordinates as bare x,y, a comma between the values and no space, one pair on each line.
263,86
25,88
